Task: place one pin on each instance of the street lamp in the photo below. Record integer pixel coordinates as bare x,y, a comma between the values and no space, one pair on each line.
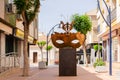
110,37
48,36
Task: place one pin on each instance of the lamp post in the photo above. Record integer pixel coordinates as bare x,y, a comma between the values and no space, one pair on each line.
110,36
48,40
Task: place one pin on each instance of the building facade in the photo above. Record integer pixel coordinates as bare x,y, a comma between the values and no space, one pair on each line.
35,53
12,35
91,37
103,30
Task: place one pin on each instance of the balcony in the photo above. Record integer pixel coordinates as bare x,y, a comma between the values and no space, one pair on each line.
113,15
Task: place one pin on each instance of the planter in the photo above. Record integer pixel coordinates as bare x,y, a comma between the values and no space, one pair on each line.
42,65
100,69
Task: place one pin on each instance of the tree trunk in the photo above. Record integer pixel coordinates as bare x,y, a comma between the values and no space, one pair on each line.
98,54
41,54
85,55
25,50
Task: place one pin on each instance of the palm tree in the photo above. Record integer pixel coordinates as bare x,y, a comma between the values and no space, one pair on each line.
82,24
28,9
48,48
41,44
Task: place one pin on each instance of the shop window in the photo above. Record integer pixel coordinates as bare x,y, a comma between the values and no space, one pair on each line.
11,45
8,44
115,49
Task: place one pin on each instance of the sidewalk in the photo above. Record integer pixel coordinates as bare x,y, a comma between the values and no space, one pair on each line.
51,73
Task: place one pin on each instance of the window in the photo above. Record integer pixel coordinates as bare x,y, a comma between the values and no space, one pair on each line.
10,44
115,49
98,28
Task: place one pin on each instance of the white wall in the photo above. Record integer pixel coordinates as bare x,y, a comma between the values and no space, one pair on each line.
38,56
51,55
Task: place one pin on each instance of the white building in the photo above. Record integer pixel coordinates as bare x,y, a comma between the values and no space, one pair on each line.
104,30
36,55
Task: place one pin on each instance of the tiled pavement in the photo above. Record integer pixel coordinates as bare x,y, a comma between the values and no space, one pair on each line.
51,73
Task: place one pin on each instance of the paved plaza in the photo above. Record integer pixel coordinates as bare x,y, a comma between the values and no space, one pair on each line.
52,72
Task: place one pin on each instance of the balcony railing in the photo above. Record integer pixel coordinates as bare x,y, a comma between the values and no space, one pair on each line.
113,15
8,61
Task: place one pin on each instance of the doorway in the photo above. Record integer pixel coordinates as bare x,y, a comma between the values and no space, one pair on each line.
34,57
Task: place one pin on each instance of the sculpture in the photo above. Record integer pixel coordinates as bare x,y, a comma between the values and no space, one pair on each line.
67,39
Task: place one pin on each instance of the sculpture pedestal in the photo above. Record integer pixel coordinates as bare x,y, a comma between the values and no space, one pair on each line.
67,62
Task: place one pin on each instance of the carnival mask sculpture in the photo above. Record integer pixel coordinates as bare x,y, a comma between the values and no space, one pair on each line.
67,39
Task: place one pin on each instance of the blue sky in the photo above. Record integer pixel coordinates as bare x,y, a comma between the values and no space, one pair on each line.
53,11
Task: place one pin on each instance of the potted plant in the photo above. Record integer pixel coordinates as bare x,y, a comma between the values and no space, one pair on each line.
99,65
42,64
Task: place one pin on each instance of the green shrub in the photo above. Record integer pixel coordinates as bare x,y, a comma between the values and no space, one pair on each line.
99,63
96,47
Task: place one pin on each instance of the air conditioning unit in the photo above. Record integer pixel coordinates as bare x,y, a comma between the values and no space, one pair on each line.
10,8
19,17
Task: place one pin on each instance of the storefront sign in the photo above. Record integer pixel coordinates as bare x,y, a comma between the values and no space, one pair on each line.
20,34
30,39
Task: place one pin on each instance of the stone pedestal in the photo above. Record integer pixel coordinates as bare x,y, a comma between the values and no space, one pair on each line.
67,62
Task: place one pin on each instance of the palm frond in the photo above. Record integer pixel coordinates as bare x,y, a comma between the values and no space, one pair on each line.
20,5
29,7
33,11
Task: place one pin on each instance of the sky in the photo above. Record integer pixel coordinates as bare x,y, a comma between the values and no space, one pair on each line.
54,11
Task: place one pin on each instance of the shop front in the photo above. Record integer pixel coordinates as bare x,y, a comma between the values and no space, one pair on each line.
6,29
115,47
19,34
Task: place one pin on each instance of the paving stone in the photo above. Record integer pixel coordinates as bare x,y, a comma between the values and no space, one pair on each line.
51,73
